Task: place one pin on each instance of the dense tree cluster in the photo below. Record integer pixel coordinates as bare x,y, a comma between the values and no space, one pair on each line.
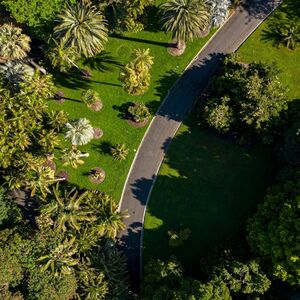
247,99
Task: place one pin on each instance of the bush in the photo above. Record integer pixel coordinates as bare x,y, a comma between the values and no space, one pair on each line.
139,112
119,152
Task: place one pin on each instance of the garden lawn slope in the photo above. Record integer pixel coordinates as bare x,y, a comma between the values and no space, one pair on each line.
105,70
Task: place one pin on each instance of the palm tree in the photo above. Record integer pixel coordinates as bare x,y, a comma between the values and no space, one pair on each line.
61,259
66,210
83,27
13,43
289,35
185,19
119,152
79,132
90,98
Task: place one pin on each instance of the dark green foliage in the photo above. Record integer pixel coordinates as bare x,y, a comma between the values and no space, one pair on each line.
291,146
139,112
273,232
36,14
43,285
246,99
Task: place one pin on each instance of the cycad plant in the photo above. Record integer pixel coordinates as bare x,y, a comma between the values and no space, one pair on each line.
185,19
91,98
119,152
289,35
13,43
79,132
139,112
83,27
73,157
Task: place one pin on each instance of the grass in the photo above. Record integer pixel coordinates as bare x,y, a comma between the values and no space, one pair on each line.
105,81
209,184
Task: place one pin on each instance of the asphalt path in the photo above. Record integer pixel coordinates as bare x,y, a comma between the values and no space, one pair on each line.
167,120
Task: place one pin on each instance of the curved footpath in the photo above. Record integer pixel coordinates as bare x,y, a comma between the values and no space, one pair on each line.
167,120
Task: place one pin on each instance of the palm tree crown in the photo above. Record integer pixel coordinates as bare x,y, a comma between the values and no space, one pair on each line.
186,19
82,26
80,132
13,43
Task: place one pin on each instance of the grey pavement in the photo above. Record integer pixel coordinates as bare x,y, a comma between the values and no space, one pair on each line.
167,120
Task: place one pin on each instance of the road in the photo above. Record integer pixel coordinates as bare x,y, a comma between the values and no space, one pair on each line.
167,120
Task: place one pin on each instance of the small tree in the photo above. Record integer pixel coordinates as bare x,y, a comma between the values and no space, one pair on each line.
119,152
289,35
73,157
136,74
79,132
139,112
13,43
91,98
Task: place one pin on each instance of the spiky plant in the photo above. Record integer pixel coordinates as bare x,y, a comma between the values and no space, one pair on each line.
79,132
289,35
57,119
119,152
73,157
185,19
83,27
139,112
13,43
90,97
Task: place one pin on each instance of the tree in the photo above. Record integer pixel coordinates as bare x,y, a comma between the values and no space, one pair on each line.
61,259
13,43
79,132
38,84
289,34
83,27
185,19
62,57
90,98
246,99
136,75
274,230
36,14
15,72
67,211
44,285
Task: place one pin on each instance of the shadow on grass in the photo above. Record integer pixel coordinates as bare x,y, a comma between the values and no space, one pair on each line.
165,83
71,81
126,38
208,184
123,109
104,147
103,62
151,19
106,83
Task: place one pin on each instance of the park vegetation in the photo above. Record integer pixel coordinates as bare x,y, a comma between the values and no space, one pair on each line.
57,240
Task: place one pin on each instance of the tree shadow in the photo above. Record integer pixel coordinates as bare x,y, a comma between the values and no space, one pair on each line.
104,147
103,62
165,83
129,243
123,109
106,83
258,9
183,95
126,38
151,19
71,81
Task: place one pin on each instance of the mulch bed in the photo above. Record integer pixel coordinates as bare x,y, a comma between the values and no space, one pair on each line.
98,133
97,106
50,163
173,50
97,181
64,175
60,97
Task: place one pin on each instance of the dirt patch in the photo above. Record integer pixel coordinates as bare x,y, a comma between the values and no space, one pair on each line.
97,106
97,179
98,133
137,124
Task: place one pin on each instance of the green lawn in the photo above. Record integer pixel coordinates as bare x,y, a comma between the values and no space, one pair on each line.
105,81
209,184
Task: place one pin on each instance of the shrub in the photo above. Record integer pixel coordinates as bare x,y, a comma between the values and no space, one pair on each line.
119,152
139,112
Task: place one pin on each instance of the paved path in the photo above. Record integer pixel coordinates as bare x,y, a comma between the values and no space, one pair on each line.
175,108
